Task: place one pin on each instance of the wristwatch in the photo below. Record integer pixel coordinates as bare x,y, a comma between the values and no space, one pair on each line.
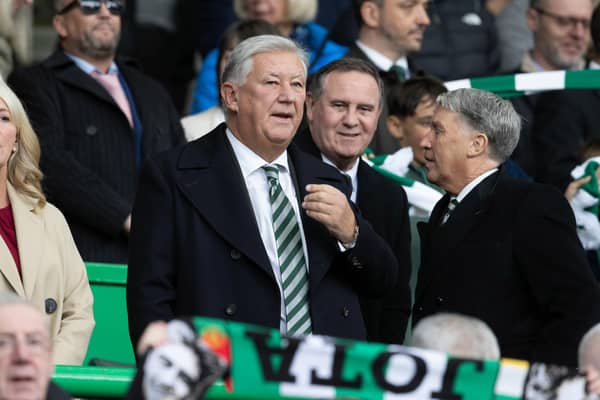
350,245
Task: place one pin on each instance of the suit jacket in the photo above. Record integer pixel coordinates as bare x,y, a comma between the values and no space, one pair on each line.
54,278
196,248
383,142
509,255
88,146
563,122
384,204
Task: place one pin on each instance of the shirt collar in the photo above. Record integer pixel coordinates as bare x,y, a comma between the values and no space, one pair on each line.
89,68
467,189
381,61
248,160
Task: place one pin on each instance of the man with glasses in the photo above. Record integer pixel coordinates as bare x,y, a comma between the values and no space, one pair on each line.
561,36
25,352
97,118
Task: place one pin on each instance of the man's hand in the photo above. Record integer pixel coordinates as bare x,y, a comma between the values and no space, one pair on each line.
574,186
330,207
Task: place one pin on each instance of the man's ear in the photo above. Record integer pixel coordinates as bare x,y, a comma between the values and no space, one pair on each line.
229,96
370,12
478,144
59,26
395,127
532,19
309,106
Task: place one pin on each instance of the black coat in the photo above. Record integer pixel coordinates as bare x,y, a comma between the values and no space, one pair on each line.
196,248
383,203
564,121
88,146
509,255
383,142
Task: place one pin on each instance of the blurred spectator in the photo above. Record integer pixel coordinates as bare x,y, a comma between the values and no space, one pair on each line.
343,103
25,352
15,28
561,36
97,120
458,335
199,124
388,33
410,113
589,358
39,260
583,194
461,42
161,36
293,19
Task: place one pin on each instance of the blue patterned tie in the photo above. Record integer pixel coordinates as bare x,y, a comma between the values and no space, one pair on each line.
292,265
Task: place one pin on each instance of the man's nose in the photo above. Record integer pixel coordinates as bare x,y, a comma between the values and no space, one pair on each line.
423,16
426,140
578,30
104,9
21,351
287,93
350,117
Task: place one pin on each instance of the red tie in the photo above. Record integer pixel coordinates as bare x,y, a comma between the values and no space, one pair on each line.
113,86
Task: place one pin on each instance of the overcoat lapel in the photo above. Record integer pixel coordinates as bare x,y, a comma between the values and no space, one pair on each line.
210,178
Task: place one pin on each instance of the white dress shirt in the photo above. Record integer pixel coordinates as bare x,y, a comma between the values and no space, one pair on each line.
258,189
467,189
381,61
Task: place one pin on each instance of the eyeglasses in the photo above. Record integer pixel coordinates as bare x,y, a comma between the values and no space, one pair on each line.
90,7
565,22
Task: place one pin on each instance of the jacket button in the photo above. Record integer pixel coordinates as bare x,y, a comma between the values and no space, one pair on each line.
356,262
91,130
345,312
230,309
50,305
235,254
420,309
439,301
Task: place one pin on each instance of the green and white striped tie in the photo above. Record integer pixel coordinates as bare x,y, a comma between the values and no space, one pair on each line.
292,265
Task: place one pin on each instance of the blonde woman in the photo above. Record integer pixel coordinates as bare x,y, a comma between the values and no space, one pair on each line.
38,257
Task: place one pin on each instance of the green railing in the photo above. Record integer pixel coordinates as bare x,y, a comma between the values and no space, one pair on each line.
110,339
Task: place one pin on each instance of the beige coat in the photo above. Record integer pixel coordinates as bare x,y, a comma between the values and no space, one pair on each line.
54,276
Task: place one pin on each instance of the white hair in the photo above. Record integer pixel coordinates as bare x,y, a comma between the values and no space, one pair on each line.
589,348
456,334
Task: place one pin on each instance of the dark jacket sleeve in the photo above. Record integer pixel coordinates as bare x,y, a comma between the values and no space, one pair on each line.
560,282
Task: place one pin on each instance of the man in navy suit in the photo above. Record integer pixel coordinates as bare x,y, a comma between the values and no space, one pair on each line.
204,240
344,101
496,248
